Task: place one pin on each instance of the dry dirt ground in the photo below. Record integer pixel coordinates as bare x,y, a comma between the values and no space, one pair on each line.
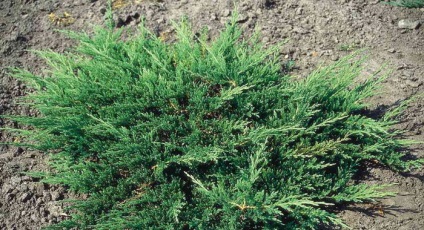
318,32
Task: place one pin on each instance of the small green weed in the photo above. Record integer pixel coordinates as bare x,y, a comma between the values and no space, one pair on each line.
349,47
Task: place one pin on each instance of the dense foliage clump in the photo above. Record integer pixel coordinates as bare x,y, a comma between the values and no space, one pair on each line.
203,135
407,3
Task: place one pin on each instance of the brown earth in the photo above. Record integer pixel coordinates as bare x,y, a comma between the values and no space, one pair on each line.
318,32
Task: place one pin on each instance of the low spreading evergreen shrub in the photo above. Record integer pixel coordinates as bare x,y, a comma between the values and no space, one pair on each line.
203,135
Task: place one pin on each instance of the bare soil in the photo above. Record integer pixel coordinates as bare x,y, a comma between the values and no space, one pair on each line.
318,32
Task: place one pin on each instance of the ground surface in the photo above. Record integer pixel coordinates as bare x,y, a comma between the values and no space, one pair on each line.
318,32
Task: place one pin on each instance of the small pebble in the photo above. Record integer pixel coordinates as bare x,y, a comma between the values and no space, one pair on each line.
226,13
26,196
408,24
392,50
214,16
413,84
242,18
55,195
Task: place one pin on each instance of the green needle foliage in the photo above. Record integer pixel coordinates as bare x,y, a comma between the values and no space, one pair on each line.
203,135
407,3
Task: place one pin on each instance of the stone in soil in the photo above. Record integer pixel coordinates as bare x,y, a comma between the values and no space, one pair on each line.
409,24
